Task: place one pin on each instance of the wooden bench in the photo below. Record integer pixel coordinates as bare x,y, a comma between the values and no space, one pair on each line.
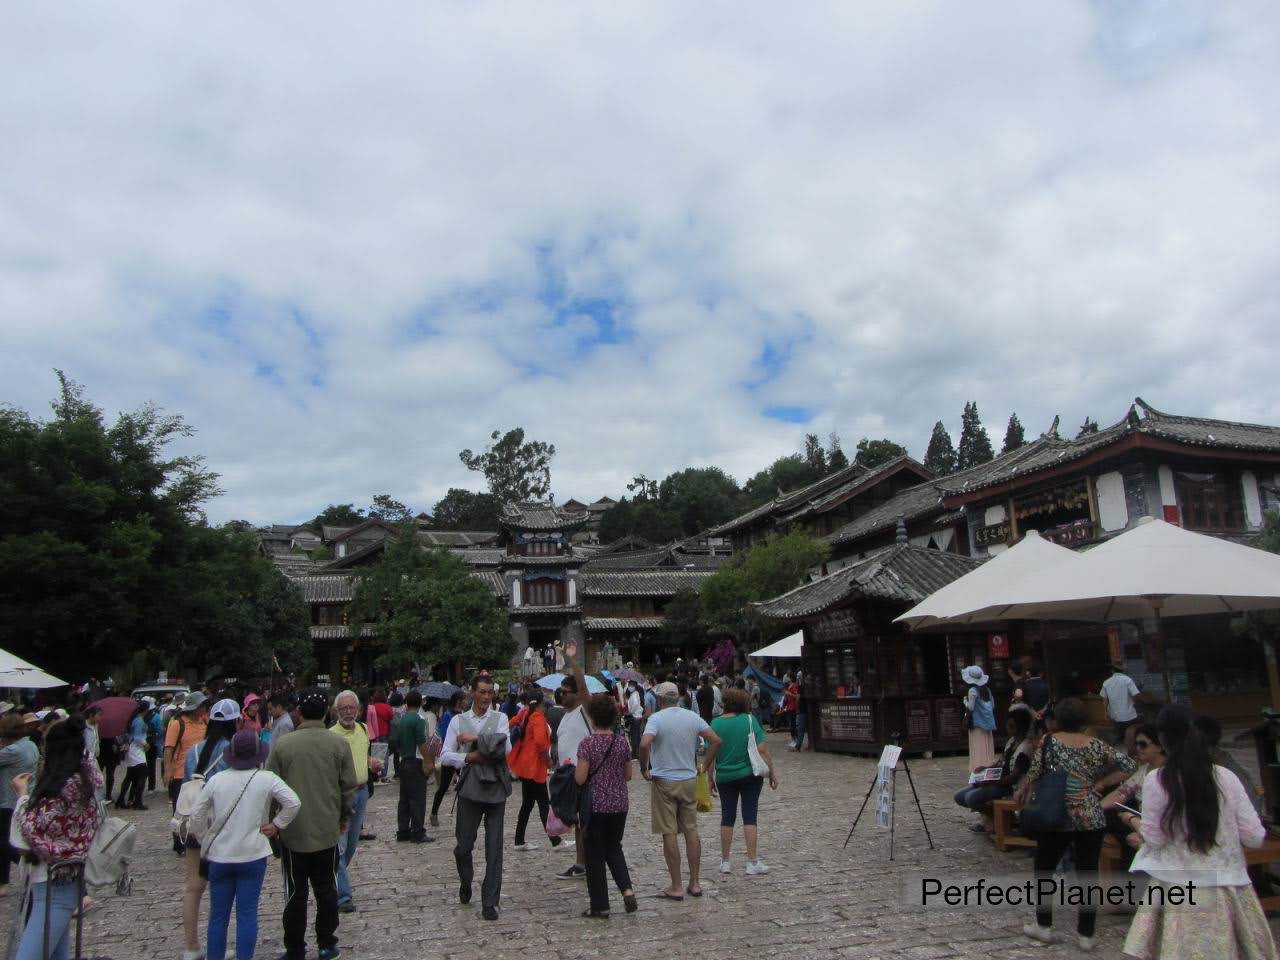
1002,816
1264,855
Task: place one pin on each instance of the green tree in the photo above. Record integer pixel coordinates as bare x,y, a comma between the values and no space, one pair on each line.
617,522
239,610
97,524
385,507
873,453
782,476
697,498
1089,426
1014,435
644,488
515,470
337,515
941,455
975,444
763,572
462,509
814,455
836,460
683,625
428,609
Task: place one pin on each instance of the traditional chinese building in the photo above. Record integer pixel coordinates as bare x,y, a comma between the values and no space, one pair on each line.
540,565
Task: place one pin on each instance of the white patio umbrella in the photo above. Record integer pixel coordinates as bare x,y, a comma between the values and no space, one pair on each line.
1150,570
972,598
788,648
16,672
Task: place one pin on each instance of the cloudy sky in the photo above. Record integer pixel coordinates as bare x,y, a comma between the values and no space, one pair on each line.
347,244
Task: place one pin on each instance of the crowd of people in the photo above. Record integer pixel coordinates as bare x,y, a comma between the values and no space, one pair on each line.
255,774
1179,807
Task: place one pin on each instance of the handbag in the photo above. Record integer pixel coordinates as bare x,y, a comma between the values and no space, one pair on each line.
1045,809
704,793
758,767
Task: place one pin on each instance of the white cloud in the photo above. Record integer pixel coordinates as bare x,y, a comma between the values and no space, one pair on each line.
1045,209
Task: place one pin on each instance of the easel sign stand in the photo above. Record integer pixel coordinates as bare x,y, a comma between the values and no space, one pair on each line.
886,778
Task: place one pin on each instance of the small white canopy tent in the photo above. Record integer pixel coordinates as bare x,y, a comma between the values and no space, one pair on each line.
16,672
788,648
972,598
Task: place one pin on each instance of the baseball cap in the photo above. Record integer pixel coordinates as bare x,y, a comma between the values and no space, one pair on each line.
225,710
194,700
667,689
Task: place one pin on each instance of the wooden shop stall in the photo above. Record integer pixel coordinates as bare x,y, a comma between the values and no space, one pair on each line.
869,680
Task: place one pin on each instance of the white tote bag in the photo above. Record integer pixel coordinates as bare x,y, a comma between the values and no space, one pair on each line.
758,767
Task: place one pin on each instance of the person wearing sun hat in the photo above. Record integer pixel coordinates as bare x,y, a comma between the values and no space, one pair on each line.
234,809
980,717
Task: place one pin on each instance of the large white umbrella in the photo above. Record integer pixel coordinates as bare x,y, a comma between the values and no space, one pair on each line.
788,648
16,672
973,597
1155,567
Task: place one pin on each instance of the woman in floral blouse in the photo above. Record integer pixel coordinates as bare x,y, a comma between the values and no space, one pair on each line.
1093,767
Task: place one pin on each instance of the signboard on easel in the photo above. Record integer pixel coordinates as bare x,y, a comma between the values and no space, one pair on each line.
884,785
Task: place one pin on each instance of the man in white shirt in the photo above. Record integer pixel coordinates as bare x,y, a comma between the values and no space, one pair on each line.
1120,693
461,751
635,717
573,729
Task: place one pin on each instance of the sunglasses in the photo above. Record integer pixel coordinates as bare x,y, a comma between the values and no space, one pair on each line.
1141,744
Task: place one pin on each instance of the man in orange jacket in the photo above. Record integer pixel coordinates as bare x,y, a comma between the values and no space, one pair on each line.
529,760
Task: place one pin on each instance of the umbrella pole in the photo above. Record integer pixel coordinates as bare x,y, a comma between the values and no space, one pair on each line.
1164,656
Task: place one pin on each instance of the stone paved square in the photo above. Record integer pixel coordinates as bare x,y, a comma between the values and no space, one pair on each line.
818,901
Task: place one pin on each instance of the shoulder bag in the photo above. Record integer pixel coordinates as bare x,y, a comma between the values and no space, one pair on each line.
209,838
758,767
1045,810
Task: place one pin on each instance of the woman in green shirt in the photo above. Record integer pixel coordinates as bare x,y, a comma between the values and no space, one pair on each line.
735,779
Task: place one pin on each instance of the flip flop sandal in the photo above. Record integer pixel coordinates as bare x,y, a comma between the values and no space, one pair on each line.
671,896
689,891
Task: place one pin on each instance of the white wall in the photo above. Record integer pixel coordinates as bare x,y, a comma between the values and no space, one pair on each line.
1168,497
1113,511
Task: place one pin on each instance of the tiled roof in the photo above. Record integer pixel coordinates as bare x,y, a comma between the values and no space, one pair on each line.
1049,450
494,581
662,558
622,623
796,498
456,538
480,556
911,504
294,564
328,532
529,610
565,560
342,632
640,583
326,589
373,528
629,543
902,573
540,516
858,484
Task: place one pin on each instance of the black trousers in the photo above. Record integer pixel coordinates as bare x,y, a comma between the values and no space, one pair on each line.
135,778
446,775
532,793
1085,845
6,851
603,842
151,766
634,730
175,787
319,871
108,759
413,798
466,826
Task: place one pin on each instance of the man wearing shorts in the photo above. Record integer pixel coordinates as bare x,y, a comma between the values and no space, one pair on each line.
669,761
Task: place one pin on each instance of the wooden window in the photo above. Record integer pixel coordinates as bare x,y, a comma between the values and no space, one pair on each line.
544,593
1210,505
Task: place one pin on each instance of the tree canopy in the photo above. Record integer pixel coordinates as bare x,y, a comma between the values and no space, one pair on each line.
105,552
385,507
941,455
428,609
515,469
337,515
873,453
462,509
699,497
765,571
1014,435
975,444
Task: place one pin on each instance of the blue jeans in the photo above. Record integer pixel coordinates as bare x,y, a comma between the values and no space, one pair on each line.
241,883
977,797
347,842
64,898
802,727
748,788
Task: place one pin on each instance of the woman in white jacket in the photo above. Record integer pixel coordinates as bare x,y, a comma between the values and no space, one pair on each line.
234,810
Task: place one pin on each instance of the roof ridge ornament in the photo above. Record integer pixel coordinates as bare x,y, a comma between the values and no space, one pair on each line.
900,533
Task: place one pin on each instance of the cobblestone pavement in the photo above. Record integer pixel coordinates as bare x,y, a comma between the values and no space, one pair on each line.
818,901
